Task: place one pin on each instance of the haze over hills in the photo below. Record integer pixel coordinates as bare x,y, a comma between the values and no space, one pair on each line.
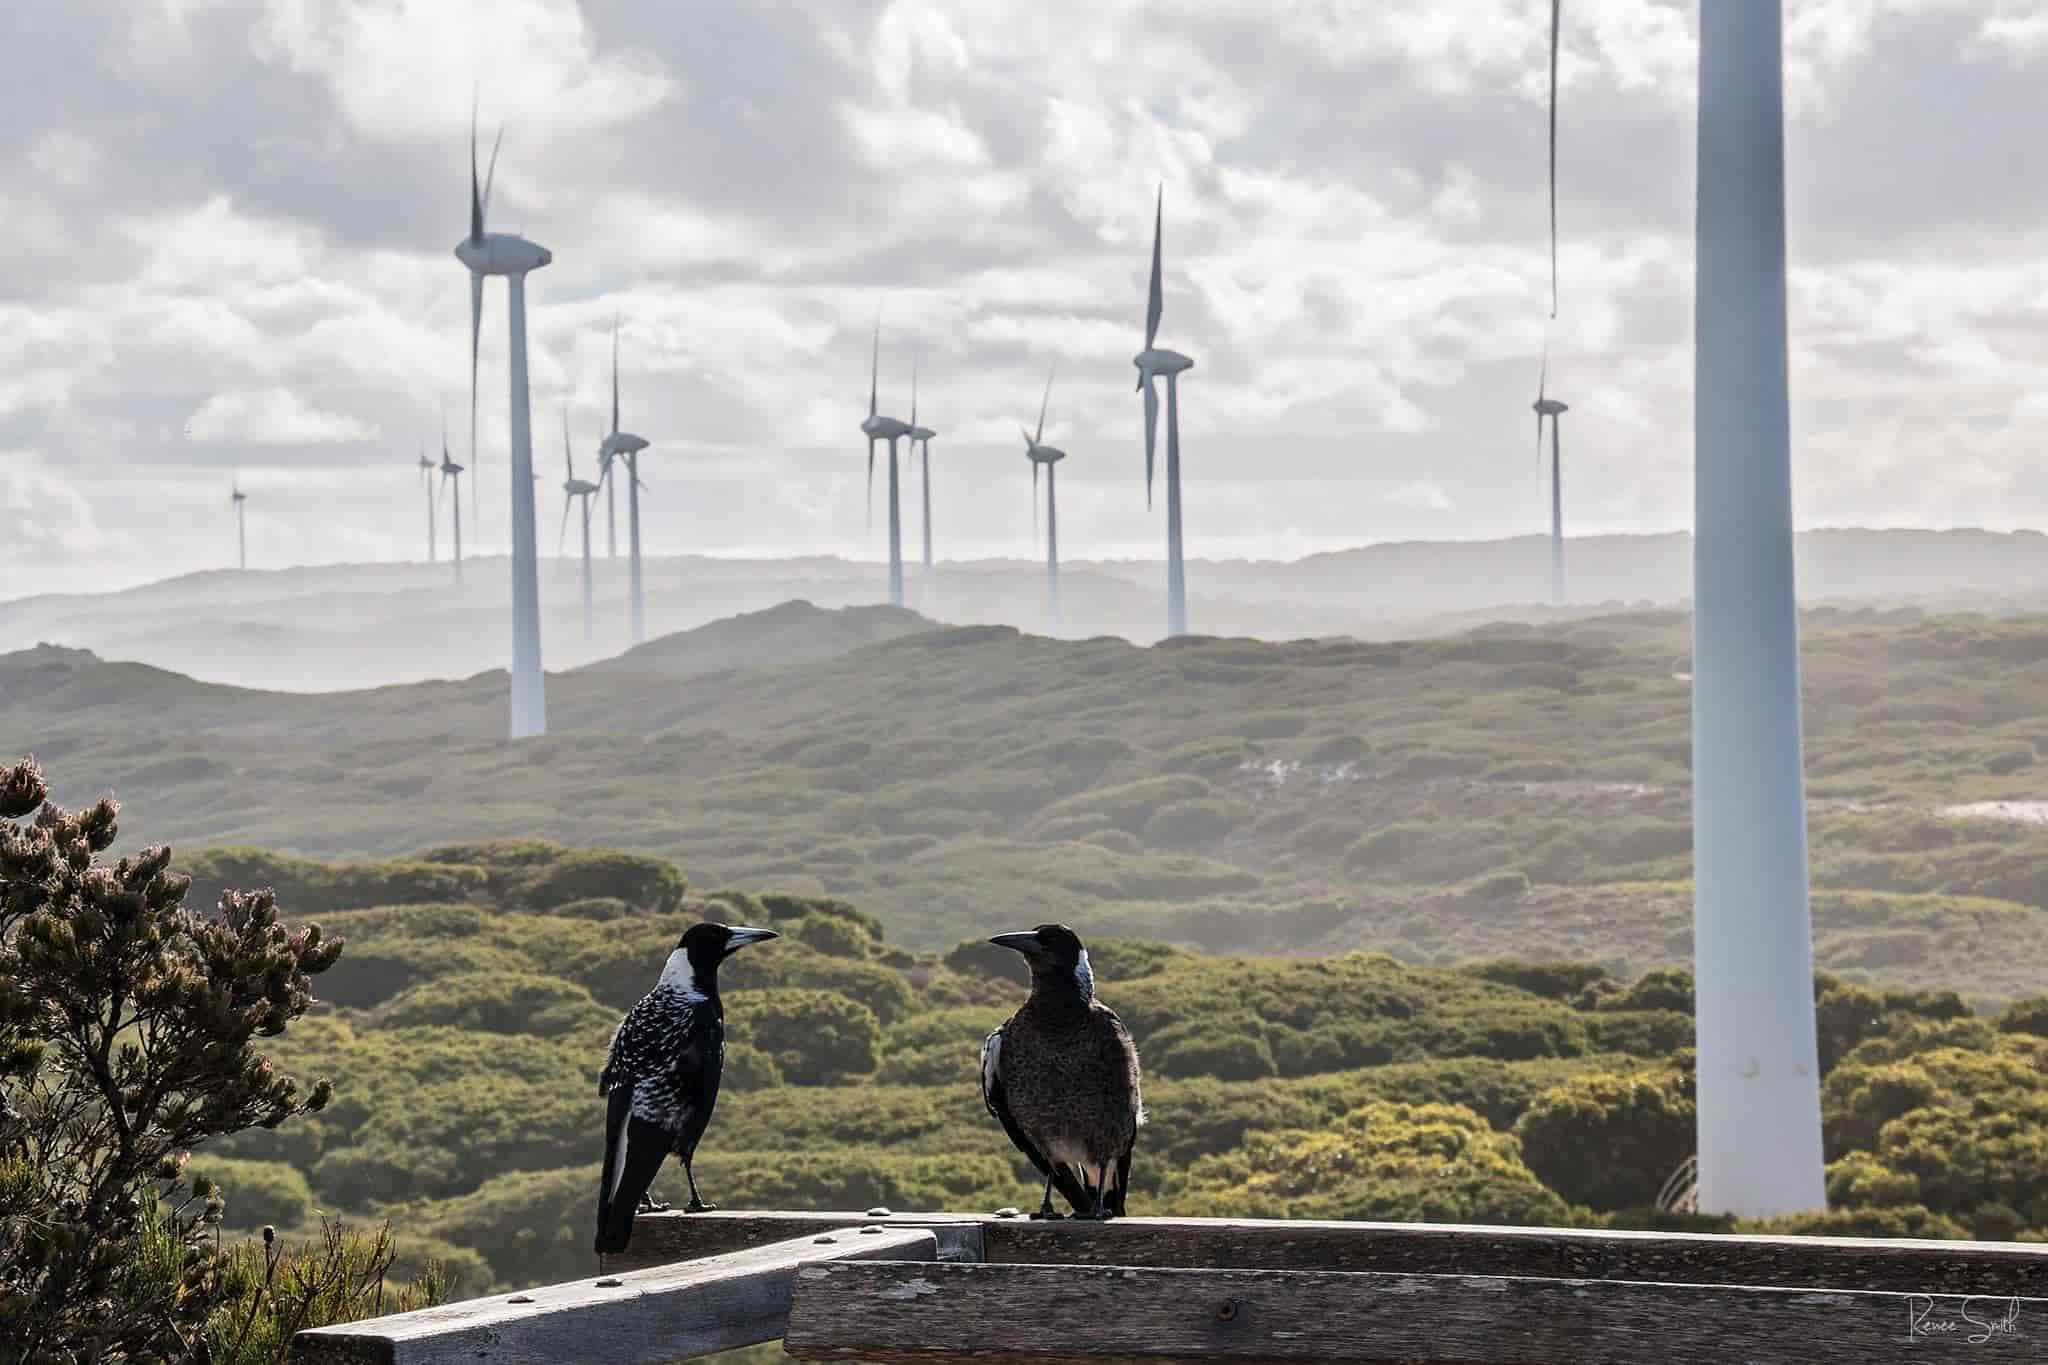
1503,790
342,626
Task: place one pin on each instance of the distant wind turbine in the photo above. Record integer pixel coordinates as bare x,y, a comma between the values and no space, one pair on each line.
237,499
451,478
1153,362
1553,409
879,428
922,437
572,489
426,467
500,253
625,446
1039,453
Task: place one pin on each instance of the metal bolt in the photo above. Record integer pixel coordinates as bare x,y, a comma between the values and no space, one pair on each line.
870,1230
878,1212
520,1298
828,1237
608,1284
1007,1212
1226,1311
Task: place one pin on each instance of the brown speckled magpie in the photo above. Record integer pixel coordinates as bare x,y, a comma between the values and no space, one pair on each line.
662,1077
1062,1077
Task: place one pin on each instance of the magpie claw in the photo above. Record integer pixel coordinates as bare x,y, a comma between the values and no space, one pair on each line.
699,1206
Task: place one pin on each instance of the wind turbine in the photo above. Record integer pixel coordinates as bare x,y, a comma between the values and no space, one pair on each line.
502,253
1553,409
877,428
237,499
1758,1061
624,445
572,489
1153,362
426,467
451,476
1039,453
922,436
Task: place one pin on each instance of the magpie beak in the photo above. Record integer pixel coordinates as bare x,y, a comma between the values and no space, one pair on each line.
741,936
1025,943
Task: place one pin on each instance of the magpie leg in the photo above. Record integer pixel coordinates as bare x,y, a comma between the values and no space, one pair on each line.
1102,1213
649,1204
696,1204
1045,1210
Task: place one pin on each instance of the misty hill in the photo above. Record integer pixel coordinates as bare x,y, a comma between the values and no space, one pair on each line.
314,629
1507,790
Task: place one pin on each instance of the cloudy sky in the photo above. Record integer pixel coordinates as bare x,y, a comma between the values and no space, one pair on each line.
230,223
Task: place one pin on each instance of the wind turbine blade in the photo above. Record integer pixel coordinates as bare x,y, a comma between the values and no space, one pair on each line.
1158,301
871,483
1041,408
476,198
484,208
568,454
1151,437
875,372
615,374
1556,8
563,538
913,388
1034,507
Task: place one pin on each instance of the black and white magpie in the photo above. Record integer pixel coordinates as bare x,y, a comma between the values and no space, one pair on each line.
1062,1077
661,1077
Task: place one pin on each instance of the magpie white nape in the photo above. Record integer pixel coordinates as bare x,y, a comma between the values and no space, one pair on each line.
661,1078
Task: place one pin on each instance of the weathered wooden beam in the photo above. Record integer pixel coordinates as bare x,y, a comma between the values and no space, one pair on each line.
665,1238
633,1318
899,1314
1902,1266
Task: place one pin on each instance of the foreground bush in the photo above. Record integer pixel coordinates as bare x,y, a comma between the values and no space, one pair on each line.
127,1032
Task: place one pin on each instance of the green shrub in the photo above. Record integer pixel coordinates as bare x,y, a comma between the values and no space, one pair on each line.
1190,824
815,1037
831,936
494,1002
1610,1140
1551,980
2028,1016
1228,1047
257,1192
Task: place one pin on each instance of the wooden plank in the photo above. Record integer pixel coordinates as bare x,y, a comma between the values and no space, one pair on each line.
900,1314
665,1238
633,1318
1899,1265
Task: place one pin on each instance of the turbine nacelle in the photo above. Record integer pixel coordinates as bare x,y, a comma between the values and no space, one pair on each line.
1549,407
1159,360
884,428
501,253
920,433
577,488
450,469
621,443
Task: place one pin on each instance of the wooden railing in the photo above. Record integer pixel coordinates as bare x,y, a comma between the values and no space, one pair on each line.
948,1287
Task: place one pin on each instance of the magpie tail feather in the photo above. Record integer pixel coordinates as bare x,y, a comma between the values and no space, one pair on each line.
633,1153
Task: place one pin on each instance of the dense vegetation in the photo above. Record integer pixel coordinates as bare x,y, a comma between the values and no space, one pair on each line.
1507,791
466,1033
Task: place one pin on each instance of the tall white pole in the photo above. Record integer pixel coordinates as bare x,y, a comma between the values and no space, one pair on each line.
586,566
895,533
430,517
1052,543
633,547
925,483
1556,514
1176,576
529,694
242,536
456,484
1759,1089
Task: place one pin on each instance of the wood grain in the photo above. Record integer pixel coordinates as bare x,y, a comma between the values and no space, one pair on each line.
888,1312
665,1238
1902,1266
632,1318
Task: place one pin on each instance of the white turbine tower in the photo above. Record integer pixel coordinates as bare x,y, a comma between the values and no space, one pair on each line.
572,489
1759,1074
1153,362
921,446
879,428
1041,454
1552,408
426,468
451,478
500,253
624,445
237,499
